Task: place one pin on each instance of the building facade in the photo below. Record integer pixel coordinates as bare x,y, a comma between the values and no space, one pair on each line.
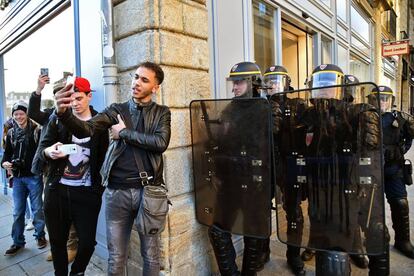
196,42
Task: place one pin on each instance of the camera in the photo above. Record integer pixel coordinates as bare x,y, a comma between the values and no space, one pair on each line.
17,164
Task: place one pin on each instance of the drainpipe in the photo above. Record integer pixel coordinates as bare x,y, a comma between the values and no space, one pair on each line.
109,67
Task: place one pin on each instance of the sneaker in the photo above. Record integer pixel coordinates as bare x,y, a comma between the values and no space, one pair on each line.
41,242
13,250
29,225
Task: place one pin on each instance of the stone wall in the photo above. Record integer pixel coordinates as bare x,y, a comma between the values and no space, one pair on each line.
174,34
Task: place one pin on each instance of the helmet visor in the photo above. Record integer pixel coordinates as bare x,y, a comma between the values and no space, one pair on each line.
385,101
276,84
323,79
239,87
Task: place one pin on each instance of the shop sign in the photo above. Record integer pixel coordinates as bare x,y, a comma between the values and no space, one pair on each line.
395,48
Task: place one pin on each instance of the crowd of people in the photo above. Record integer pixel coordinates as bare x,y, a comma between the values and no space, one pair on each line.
65,184
62,161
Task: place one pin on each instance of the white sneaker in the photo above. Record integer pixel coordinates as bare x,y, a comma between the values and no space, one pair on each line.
29,225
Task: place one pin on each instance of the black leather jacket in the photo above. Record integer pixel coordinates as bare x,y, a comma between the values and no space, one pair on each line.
155,140
34,112
54,132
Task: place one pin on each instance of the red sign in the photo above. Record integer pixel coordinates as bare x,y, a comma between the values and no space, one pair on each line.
395,48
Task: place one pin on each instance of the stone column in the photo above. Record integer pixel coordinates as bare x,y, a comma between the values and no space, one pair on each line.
174,34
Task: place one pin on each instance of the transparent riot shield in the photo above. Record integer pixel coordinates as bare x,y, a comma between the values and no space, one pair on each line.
231,142
329,169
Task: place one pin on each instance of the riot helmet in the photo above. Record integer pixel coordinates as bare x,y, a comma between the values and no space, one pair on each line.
350,91
276,79
244,80
386,98
326,75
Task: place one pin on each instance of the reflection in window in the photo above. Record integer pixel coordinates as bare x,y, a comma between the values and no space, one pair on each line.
359,24
263,34
359,68
51,47
357,44
343,58
326,45
341,7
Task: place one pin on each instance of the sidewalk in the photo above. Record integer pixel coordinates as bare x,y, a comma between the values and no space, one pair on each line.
31,261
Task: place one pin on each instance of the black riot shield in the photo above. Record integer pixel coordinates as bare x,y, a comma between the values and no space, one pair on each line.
329,169
231,142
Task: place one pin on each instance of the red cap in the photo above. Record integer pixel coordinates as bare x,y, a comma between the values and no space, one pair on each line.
82,85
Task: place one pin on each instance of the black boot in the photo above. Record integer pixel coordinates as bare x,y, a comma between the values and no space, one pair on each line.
253,251
294,260
224,251
380,265
265,256
359,260
401,224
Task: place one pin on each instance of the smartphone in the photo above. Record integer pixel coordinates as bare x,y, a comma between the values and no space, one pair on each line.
44,71
68,148
71,80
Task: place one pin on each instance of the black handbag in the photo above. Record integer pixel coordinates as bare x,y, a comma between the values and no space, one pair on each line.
408,172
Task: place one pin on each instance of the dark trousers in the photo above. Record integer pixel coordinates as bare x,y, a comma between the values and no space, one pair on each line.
393,182
63,206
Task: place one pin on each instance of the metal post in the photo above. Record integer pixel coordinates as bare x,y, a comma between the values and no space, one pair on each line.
109,67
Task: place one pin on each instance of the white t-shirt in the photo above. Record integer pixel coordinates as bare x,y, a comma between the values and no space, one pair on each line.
77,171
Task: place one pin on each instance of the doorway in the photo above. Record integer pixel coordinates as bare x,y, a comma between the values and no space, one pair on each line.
297,54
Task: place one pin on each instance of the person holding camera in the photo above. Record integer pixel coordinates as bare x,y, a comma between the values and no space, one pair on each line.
73,192
21,143
42,117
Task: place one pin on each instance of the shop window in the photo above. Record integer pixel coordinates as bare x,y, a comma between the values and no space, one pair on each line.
341,7
326,46
342,58
360,25
52,47
264,41
389,22
359,68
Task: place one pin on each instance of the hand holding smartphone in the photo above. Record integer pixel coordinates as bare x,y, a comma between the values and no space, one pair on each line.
45,72
68,148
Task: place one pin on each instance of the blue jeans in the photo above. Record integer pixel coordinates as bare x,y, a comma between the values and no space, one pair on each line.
121,209
23,187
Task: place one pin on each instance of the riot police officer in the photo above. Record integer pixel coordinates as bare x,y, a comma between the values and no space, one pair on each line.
340,192
286,113
398,133
244,82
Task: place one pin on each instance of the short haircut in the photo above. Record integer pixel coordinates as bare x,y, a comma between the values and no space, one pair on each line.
159,74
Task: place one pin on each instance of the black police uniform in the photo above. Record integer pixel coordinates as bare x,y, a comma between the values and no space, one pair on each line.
333,128
221,240
398,133
288,145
